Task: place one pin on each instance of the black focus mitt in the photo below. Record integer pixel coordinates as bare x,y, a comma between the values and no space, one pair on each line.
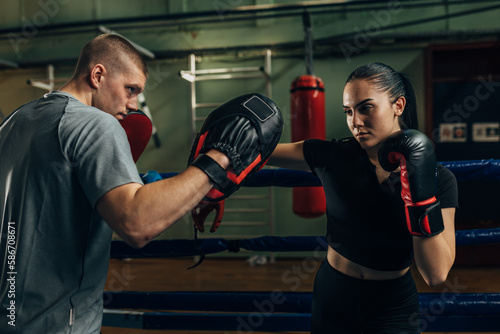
246,129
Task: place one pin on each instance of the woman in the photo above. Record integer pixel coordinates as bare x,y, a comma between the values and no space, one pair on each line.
365,285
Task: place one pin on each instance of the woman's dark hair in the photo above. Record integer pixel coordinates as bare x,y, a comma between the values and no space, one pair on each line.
396,84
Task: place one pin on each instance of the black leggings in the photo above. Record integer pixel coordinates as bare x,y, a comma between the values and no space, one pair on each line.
344,304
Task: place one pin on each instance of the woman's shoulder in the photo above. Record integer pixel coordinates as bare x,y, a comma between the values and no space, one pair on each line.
343,143
447,187
324,152
445,174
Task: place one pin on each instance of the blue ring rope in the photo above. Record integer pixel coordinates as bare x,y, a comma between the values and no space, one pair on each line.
187,247
287,302
272,322
282,311
488,169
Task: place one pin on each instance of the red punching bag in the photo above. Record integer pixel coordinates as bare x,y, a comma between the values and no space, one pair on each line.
307,111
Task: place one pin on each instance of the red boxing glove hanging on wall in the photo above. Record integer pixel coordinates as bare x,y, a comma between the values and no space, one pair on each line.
139,128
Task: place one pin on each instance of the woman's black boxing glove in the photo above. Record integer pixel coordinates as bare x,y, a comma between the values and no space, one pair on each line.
413,152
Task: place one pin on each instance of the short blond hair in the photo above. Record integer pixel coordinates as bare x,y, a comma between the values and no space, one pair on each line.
112,51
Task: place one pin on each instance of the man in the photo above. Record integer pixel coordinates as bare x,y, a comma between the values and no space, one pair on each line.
65,167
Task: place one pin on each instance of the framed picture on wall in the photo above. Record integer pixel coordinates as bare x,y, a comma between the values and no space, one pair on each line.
486,132
453,132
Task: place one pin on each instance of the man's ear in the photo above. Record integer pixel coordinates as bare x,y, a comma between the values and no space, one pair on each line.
399,105
96,75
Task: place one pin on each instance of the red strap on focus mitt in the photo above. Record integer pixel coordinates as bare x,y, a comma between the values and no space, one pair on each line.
203,209
139,128
199,214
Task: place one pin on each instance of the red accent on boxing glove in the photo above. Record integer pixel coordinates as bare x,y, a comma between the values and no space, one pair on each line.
201,211
417,214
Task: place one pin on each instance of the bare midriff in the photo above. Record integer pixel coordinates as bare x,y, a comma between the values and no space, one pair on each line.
355,270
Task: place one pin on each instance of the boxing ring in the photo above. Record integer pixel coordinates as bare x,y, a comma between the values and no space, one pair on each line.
276,311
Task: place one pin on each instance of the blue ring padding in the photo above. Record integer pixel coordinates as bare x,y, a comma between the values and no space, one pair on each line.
187,247
431,304
486,169
477,236
243,323
460,304
253,322
463,170
264,302
490,323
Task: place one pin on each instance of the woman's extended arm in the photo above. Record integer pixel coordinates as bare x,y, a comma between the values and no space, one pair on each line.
289,155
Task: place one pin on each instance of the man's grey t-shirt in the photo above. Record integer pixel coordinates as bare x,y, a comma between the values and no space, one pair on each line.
58,157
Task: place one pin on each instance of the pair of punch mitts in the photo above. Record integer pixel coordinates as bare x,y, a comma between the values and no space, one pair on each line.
246,129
